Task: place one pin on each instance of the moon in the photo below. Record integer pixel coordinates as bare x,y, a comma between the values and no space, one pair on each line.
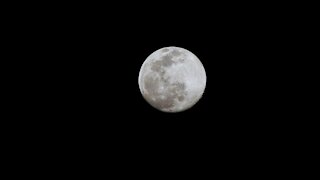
172,79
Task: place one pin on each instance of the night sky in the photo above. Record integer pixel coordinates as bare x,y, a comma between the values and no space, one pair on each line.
90,96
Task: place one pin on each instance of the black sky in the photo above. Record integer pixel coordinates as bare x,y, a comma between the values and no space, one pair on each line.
84,100
90,60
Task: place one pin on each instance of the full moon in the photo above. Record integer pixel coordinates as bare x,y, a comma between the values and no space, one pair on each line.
172,79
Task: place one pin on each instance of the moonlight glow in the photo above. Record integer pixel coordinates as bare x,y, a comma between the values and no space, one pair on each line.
172,79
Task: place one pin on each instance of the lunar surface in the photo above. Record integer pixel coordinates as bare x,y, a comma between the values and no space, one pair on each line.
172,79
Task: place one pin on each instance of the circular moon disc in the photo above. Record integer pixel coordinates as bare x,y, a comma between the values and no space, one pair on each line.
172,79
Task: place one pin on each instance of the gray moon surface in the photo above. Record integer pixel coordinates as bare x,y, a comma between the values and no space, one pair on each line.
172,79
